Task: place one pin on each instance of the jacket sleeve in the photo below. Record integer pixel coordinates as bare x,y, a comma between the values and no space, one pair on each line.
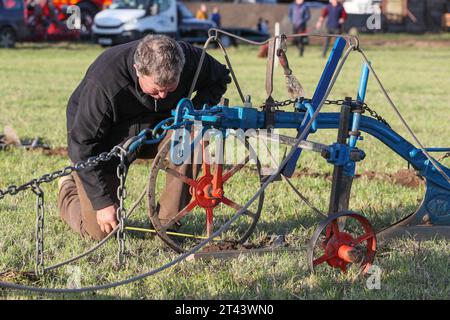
291,13
212,81
343,14
92,121
307,14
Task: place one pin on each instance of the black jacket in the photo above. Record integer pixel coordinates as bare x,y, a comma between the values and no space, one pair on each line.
108,103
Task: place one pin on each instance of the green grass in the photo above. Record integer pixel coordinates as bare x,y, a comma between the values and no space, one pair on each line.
36,82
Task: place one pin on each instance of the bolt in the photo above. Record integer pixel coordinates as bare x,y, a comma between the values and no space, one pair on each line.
426,218
199,192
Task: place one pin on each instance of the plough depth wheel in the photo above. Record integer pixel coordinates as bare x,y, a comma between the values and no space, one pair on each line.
343,239
216,194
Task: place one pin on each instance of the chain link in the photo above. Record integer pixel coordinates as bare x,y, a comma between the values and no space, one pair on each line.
49,177
373,113
445,156
121,211
39,234
35,186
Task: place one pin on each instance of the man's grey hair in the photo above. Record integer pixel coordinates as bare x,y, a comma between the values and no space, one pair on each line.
160,57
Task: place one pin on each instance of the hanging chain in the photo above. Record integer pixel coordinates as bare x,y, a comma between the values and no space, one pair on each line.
445,156
375,115
121,211
288,102
39,234
35,186
47,178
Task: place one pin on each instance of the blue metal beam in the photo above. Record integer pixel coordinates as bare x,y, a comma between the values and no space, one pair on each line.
321,89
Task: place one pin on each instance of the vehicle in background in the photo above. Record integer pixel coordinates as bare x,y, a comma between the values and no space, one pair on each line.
48,22
127,20
88,8
33,21
12,22
358,13
362,6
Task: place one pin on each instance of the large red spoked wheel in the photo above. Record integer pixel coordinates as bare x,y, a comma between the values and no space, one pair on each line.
218,191
343,239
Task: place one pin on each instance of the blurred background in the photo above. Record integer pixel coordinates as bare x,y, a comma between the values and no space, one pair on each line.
109,22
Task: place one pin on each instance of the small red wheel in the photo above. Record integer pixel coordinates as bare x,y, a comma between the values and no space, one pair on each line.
340,246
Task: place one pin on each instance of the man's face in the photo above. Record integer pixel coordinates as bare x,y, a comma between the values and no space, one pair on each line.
299,1
154,90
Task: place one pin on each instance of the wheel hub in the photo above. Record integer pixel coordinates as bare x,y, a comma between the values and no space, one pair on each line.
204,194
340,247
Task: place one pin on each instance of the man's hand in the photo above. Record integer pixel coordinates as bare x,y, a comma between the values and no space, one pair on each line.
319,23
106,218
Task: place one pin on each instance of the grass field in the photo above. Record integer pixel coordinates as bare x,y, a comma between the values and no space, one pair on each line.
36,81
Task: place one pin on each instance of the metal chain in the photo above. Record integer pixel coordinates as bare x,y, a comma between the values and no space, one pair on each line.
39,268
121,211
47,178
35,186
445,156
373,113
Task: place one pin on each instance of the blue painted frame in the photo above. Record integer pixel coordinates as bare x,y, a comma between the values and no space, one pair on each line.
436,203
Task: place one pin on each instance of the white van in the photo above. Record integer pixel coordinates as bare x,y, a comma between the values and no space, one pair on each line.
127,20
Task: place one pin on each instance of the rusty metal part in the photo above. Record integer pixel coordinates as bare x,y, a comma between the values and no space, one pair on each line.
445,156
269,68
209,198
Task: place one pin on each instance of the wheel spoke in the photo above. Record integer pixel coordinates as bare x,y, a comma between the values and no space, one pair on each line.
335,229
209,222
363,238
180,176
322,259
227,175
180,215
235,206
206,159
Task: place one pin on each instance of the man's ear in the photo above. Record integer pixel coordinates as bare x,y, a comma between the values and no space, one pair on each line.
137,72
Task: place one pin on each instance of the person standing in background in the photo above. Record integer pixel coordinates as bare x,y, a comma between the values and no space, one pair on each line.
299,16
264,26
202,13
216,17
336,17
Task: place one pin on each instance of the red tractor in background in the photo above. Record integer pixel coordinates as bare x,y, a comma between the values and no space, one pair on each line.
45,20
89,9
